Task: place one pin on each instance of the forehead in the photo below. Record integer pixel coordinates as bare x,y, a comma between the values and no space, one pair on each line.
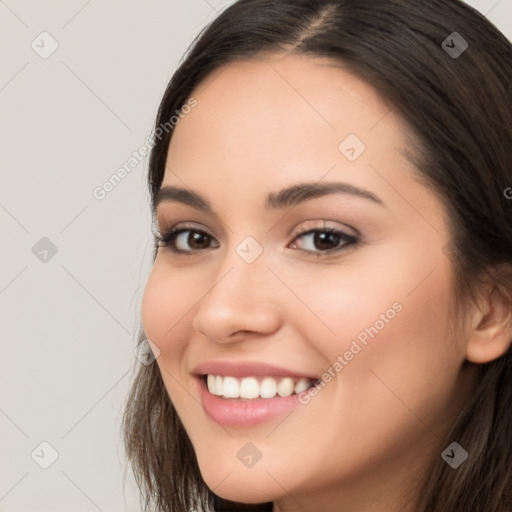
265,123
287,105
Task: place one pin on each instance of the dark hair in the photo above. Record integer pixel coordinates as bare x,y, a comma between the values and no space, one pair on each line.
459,111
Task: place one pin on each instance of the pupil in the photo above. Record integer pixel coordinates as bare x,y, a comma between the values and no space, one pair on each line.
195,238
323,238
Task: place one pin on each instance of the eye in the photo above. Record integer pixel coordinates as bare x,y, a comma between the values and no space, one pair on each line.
184,240
320,242
188,240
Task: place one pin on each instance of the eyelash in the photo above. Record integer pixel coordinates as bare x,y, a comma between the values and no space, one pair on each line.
167,239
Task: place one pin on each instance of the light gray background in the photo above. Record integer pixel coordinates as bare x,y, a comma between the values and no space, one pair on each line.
69,325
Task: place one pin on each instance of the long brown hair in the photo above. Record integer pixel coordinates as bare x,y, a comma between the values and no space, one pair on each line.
460,112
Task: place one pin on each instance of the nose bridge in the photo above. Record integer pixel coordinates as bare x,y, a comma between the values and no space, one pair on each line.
240,297
243,270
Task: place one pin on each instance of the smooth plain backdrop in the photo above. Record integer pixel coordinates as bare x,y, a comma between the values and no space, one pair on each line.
80,83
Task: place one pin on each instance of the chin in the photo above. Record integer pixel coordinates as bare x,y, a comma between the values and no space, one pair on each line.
245,495
242,485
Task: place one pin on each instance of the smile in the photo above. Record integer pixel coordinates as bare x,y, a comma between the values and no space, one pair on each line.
250,388
248,393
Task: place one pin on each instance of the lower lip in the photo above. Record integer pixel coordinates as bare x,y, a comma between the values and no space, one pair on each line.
232,412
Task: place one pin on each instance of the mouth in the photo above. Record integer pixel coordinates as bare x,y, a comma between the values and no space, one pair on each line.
256,387
248,393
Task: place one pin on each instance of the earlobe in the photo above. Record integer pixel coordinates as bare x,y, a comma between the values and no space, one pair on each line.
491,333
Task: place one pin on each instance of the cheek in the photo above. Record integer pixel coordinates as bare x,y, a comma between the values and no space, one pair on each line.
341,306
165,304
390,326
384,300
166,301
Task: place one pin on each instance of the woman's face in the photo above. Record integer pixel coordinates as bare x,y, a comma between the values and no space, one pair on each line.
255,285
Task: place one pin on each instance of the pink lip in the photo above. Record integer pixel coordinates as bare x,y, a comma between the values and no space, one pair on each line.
232,412
246,369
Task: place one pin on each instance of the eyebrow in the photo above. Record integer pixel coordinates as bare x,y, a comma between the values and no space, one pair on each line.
288,197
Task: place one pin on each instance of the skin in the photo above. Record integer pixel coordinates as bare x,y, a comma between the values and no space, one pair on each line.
365,440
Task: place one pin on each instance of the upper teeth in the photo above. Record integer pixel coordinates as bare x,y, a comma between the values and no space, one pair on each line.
253,387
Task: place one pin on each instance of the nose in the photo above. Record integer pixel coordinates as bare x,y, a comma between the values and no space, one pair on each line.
241,302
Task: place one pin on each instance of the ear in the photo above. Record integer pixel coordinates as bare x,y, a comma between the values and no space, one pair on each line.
491,329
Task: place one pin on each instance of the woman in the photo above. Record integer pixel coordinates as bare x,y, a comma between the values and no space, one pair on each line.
330,302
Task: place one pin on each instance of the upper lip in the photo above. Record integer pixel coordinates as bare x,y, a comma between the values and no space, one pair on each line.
247,369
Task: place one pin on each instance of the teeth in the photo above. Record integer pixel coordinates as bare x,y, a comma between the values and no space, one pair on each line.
302,385
286,387
231,388
268,387
249,387
210,381
218,389
252,387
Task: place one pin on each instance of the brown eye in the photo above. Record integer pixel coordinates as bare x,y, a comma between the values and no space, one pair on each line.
185,240
196,239
324,241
